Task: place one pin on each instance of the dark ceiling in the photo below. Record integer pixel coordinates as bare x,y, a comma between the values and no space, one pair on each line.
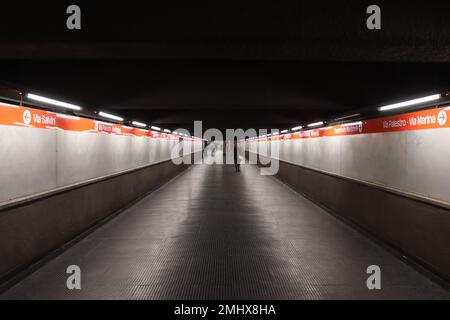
232,66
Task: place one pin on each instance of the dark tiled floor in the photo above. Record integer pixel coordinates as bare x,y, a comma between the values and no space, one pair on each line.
215,234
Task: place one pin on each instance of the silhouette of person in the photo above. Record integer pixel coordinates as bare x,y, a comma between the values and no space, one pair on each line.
237,164
213,148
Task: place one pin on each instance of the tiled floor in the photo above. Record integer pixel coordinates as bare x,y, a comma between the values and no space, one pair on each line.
215,234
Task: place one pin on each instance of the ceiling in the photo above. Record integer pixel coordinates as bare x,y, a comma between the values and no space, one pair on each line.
266,66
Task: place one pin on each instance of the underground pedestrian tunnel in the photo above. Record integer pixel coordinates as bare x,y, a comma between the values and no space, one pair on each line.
330,195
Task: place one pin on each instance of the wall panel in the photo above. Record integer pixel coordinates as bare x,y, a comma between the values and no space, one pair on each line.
412,161
27,161
37,157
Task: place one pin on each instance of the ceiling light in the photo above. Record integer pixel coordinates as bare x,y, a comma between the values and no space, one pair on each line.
297,128
315,124
351,124
138,124
53,102
109,116
410,102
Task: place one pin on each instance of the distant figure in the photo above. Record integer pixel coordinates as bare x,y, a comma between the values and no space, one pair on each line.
213,149
237,165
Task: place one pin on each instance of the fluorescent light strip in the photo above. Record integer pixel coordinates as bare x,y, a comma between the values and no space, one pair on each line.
138,124
410,102
351,124
53,102
297,128
156,128
109,116
284,131
167,131
347,117
315,124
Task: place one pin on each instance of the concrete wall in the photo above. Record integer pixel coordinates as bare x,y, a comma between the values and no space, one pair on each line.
413,162
36,160
27,161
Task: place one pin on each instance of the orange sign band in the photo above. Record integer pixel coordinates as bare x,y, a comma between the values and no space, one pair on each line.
14,115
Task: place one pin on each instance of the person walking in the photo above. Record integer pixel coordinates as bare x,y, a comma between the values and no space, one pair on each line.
237,159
